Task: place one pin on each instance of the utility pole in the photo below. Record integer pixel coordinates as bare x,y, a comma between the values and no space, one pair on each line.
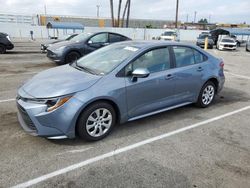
176,14
98,11
128,14
195,16
187,18
45,9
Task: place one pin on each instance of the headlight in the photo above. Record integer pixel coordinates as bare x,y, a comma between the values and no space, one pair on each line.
52,104
8,37
56,103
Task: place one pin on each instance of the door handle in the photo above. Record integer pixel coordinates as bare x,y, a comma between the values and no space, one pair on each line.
169,77
200,69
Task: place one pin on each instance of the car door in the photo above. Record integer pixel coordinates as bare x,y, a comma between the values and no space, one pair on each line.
97,41
145,95
188,73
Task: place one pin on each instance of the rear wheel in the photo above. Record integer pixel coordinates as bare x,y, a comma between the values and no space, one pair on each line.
71,57
96,122
206,95
2,49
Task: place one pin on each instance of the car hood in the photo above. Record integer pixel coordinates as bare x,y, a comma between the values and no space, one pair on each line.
52,42
229,43
67,43
59,81
167,37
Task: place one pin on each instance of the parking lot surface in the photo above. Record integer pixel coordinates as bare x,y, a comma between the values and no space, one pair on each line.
185,147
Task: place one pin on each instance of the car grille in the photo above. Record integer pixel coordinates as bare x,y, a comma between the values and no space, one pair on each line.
26,117
229,46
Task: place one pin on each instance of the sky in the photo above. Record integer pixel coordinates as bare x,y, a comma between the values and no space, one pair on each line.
219,11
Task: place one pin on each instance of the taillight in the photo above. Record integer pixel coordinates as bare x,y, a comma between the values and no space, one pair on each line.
222,64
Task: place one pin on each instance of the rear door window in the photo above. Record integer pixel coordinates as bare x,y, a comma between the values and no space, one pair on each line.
185,56
116,38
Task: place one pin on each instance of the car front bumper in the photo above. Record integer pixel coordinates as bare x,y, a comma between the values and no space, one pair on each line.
57,57
9,46
227,47
60,123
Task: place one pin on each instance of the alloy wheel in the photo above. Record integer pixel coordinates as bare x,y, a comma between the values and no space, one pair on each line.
208,94
99,122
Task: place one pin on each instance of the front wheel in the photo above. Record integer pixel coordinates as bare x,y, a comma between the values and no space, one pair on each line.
2,49
71,57
96,122
206,95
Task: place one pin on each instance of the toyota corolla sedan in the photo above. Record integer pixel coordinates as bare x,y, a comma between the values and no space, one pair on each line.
115,84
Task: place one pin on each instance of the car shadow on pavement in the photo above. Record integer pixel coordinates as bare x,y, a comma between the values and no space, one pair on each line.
228,96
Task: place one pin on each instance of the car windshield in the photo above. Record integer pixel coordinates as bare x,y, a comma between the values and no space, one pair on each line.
227,40
169,33
104,60
80,37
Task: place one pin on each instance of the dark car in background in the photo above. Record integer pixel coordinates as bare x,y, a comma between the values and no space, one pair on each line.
248,46
44,46
201,41
5,43
68,51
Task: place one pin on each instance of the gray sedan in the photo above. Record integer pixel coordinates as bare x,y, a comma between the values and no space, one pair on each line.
118,83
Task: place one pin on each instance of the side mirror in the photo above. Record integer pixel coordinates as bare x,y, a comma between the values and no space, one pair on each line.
140,73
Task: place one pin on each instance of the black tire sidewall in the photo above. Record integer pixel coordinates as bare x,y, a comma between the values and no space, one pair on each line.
199,101
76,54
2,49
81,123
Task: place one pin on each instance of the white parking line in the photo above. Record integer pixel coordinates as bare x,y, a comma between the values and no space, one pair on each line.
122,150
7,100
237,75
75,151
18,74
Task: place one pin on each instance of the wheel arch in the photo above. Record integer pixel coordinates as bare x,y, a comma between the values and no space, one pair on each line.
107,100
214,81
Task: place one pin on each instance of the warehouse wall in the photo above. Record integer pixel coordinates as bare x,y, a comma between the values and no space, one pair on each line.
41,32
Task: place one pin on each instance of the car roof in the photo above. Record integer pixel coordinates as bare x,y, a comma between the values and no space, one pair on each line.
153,43
109,33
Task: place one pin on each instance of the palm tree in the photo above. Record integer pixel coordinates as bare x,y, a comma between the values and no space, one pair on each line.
124,12
119,10
112,12
128,13
120,23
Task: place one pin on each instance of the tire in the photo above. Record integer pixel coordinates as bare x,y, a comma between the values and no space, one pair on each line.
2,49
96,123
206,95
71,57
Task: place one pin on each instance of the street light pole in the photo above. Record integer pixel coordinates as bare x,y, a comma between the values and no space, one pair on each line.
195,16
176,15
98,11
